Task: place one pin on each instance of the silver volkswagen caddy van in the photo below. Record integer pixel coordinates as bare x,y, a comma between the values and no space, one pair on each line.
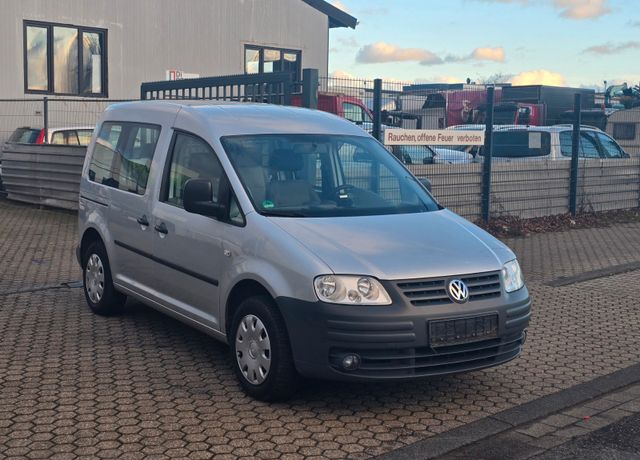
296,238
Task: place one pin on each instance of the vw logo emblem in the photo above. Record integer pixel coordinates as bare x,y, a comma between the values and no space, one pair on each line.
458,291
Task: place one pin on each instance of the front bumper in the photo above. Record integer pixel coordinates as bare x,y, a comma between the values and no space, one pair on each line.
392,341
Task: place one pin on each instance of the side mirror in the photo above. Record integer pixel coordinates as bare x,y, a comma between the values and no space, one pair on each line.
198,199
426,182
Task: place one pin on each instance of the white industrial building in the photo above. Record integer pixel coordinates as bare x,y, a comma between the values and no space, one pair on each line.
107,48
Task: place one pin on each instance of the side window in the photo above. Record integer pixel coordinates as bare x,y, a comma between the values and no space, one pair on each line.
122,155
191,158
69,137
84,136
624,131
520,143
353,112
566,143
588,146
610,147
58,138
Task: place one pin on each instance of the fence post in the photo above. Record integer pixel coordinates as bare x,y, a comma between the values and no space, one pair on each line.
288,86
310,88
45,118
487,155
575,152
377,108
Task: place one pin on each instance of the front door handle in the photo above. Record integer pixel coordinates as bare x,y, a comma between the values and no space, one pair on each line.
142,220
161,228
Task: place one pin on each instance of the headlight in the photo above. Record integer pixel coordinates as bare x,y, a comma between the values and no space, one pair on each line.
513,279
350,290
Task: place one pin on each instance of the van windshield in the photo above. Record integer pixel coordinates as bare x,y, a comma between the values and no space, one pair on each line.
300,175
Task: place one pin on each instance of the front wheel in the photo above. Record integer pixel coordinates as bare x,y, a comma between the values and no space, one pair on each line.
261,352
102,297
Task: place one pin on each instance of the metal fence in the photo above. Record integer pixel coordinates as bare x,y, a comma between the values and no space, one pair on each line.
523,169
50,113
533,171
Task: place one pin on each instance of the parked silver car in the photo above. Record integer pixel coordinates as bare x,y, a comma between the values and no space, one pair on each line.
296,238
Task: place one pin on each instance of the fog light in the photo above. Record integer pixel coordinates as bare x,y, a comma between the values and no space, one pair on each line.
351,362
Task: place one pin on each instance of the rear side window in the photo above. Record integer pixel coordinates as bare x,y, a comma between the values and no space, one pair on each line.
24,136
521,144
122,155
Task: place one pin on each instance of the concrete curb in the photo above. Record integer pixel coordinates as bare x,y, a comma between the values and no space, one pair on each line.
595,274
516,416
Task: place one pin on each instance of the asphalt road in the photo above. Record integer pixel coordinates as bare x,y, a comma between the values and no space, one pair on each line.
618,441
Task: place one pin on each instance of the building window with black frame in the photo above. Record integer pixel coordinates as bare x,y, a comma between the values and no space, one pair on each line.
259,59
65,60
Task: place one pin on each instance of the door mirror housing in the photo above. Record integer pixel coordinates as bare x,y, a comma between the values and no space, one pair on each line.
198,199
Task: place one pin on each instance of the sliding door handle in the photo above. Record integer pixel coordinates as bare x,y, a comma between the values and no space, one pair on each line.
161,228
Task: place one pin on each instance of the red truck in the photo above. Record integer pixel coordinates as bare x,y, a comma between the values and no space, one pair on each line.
349,107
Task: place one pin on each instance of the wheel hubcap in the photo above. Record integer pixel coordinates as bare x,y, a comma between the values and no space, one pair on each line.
94,278
253,349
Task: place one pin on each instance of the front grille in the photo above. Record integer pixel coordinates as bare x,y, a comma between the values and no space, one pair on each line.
433,291
426,361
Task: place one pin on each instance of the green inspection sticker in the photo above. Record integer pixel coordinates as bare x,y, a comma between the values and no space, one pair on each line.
266,204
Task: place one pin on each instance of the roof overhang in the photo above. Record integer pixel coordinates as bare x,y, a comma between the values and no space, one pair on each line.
337,17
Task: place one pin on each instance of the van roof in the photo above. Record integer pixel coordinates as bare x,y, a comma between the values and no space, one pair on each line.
235,118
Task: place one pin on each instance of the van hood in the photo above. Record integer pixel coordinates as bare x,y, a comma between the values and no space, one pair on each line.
399,246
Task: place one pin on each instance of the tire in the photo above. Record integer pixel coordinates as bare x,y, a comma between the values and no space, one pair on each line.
101,296
259,341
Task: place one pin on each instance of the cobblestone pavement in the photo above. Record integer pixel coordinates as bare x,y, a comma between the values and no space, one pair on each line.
143,385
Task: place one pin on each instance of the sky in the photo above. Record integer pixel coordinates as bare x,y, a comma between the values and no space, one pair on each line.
558,42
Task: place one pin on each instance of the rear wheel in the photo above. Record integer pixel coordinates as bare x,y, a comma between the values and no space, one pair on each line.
261,353
99,291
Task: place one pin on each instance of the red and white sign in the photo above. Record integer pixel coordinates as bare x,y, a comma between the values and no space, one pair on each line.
175,74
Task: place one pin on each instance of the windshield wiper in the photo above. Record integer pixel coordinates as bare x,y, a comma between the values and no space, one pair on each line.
282,214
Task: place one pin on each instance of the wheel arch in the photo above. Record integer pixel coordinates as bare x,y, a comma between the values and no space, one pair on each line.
90,235
241,291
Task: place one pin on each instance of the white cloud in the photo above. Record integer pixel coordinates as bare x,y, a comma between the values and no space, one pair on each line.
488,54
570,9
612,48
582,9
385,52
538,77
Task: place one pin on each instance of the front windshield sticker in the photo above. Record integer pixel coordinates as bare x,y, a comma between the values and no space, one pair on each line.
267,204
